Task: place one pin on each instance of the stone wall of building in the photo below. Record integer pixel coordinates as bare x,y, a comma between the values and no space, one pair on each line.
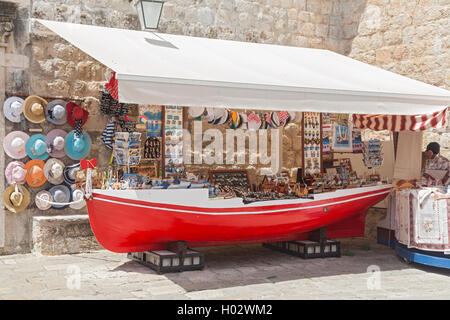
303,23
411,38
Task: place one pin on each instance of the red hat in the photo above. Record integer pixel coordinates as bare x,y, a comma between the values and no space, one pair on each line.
75,112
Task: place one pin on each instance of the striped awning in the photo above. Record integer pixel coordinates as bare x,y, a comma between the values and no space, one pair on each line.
434,120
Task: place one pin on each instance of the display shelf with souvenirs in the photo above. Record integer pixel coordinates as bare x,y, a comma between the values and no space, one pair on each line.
312,143
173,139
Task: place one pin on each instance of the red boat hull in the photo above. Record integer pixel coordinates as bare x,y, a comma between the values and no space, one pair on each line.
129,225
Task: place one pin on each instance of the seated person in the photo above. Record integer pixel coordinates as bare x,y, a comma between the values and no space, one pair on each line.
432,160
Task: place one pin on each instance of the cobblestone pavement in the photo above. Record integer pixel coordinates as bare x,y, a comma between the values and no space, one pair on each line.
238,272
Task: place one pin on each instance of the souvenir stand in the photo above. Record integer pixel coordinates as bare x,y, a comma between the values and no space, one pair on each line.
150,206
417,224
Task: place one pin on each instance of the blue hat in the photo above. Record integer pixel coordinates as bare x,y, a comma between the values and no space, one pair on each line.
60,193
36,147
77,147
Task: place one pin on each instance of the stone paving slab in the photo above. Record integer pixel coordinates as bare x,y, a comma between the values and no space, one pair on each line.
234,272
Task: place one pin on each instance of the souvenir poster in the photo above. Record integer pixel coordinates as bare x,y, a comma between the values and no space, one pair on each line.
357,141
173,137
151,117
342,138
326,139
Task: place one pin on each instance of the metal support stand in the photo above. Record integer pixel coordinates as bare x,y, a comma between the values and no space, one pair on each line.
318,246
177,258
429,258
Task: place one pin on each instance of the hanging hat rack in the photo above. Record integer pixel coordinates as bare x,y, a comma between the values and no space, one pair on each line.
11,94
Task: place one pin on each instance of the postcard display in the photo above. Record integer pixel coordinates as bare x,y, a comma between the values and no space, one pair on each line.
312,143
173,131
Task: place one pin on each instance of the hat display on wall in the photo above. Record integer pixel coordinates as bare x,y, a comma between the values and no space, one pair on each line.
15,172
14,144
196,112
60,193
221,115
42,200
76,114
234,120
254,121
69,173
78,198
55,143
55,112
36,147
35,173
77,147
34,109
292,115
16,198
13,109
53,171
210,115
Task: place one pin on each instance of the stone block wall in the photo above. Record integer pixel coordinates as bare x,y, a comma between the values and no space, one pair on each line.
411,38
302,23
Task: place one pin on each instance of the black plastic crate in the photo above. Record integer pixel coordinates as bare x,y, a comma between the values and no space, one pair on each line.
307,249
164,261
331,248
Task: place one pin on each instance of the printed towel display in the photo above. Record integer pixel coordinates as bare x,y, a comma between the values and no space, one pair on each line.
372,155
402,220
151,117
342,138
430,217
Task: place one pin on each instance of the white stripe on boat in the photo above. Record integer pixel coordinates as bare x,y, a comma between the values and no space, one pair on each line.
245,212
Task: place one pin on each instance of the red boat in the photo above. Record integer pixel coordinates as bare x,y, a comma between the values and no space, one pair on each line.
143,220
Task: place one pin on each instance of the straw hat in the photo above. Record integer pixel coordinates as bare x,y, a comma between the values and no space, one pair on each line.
16,198
15,172
14,144
55,112
41,200
36,147
77,147
55,143
53,171
13,109
69,173
60,193
74,113
35,173
78,194
33,109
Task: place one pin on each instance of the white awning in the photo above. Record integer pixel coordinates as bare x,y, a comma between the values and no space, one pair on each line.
165,69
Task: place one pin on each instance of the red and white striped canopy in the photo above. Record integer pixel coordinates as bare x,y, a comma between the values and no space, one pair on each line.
401,123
